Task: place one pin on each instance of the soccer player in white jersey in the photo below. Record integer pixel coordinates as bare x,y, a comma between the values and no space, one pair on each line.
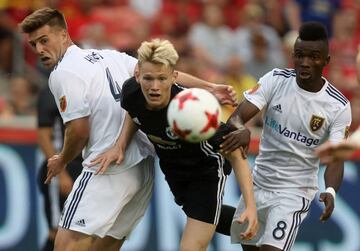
301,111
86,85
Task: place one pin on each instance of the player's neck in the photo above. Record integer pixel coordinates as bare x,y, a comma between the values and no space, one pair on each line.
69,43
311,86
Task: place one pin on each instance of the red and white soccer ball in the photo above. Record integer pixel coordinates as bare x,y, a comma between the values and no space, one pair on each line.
194,115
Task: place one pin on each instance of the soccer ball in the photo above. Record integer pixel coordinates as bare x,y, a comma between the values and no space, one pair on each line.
194,115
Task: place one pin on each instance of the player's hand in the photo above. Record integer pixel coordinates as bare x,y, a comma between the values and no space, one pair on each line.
65,183
105,159
55,166
328,200
330,152
249,216
225,94
239,138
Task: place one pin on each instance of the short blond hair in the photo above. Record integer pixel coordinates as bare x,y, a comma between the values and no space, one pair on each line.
158,51
41,17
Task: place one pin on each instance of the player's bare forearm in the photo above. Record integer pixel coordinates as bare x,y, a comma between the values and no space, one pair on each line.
45,141
334,173
46,144
76,136
333,178
225,94
239,135
242,114
127,132
243,176
190,81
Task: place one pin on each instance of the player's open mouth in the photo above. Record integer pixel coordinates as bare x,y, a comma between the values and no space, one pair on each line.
44,59
155,96
305,74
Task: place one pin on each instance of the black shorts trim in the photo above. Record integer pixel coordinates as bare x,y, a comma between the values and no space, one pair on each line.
295,224
71,209
207,149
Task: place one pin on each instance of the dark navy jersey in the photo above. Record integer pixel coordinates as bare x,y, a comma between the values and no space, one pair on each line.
173,152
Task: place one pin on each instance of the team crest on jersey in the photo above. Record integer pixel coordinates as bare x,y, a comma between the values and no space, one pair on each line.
316,123
63,103
347,132
170,133
254,89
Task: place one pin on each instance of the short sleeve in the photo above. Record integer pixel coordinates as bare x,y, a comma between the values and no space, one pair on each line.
70,93
340,127
261,93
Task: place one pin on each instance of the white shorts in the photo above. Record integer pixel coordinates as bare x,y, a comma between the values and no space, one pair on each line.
109,205
280,215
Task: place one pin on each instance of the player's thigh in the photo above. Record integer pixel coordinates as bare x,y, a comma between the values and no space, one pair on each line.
283,221
107,243
135,208
196,235
68,240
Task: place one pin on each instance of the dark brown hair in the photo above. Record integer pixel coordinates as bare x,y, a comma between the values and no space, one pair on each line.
41,17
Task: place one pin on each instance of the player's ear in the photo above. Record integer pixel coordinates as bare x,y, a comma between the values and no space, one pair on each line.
63,34
137,74
327,60
175,75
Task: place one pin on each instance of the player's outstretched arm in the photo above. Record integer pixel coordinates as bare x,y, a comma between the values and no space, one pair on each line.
330,152
116,153
224,93
76,136
333,176
245,181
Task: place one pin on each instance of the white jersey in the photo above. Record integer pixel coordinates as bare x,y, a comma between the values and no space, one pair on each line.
88,83
295,123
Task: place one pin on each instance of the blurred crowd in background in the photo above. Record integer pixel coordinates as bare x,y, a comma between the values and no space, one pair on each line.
222,41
